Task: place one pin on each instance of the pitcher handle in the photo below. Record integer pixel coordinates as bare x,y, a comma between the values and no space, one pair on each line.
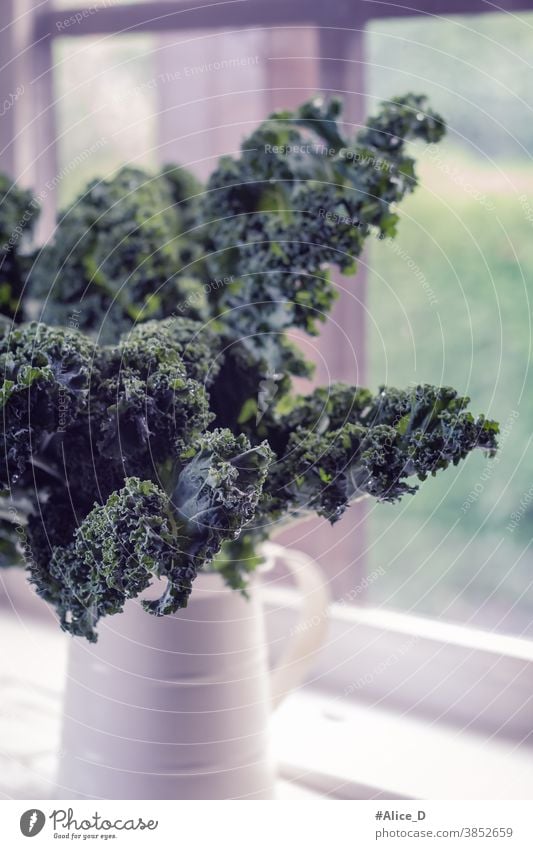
308,635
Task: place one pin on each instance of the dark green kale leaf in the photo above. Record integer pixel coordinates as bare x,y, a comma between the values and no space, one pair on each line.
18,213
403,117
300,198
45,377
217,494
341,444
9,551
326,409
247,390
121,252
138,411
146,410
198,346
116,551
10,522
140,533
14,512
369,446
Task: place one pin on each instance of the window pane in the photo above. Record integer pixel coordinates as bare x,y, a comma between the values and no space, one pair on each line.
450,304
106,107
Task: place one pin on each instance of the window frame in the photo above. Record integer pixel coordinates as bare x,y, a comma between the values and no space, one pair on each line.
416,666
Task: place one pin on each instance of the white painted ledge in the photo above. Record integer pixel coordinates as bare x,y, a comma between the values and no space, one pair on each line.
363,752
334,749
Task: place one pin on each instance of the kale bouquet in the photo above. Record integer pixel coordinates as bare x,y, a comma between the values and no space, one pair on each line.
150,425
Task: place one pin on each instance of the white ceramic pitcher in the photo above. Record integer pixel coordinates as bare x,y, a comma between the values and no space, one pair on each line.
177,707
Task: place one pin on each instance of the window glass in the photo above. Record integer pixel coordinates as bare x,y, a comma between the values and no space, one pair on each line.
449,303
106,107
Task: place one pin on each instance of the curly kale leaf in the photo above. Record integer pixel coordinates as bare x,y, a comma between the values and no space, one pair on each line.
369,446
299,198
247,390
325,409
197,345
115,553
9,547
218,491
45,375
403,117
139,534
341,444
18,213
120,252
145,408
14,513
88,417
10,554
